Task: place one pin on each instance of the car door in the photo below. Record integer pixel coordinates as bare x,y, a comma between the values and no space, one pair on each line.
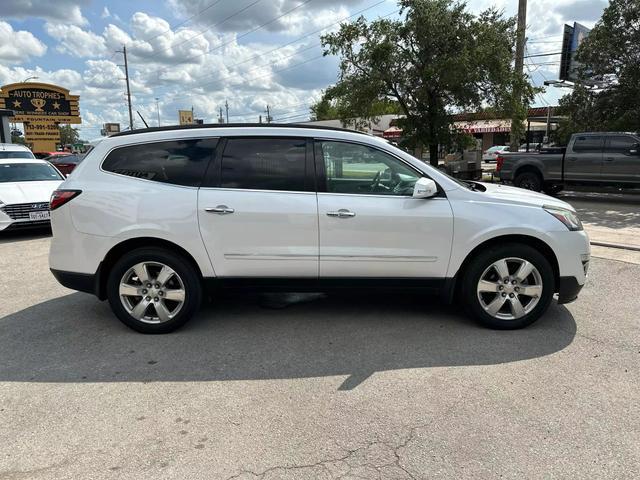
583,160
370,225
621,162
258,211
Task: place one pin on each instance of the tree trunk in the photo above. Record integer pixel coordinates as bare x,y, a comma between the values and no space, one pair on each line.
433,154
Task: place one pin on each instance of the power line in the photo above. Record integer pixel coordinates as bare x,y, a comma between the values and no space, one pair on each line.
183,22
545,54
206,29
257,56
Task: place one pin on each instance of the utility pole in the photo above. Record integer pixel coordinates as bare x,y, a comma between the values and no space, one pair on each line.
226,106
220,118
519,67
158,110
546,133
268,114
260,119
126,73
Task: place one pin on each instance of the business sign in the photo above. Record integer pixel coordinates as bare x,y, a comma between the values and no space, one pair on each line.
40,101
572,37
186,117
40,107
40,131
111,128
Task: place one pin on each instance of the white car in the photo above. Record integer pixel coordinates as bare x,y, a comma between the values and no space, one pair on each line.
152,217
492,153
26,185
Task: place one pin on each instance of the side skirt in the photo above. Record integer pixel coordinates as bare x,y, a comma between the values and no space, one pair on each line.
430,285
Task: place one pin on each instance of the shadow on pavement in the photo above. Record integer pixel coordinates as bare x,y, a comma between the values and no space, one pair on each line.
23,234
75,338
611,211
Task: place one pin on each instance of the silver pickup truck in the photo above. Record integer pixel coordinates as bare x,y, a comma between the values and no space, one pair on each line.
610,159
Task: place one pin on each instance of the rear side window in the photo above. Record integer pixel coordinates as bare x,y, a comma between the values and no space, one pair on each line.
620,144
264,164
179,162
588,143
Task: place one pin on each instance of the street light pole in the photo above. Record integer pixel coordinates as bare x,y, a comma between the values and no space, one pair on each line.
158,110
29,78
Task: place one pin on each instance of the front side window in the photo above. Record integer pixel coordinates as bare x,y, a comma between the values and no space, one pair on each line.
27,172
359,169
620,144
179,162
264,164
588,143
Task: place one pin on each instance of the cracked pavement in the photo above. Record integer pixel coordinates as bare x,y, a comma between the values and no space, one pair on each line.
315,387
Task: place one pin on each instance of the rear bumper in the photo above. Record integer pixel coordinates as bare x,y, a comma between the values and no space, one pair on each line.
568,289
82,282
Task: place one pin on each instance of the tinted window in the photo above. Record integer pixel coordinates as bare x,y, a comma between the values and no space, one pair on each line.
264,164
66,159
27,172
590,143
359,169
621,144
180,162
14,154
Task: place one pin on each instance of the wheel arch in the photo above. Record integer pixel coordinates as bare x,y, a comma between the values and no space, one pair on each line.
117,251
533,242
529,168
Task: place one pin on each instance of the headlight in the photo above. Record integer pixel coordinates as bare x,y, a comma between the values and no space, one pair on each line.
569,218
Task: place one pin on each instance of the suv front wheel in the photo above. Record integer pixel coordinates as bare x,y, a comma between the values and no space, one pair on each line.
153,290
509,286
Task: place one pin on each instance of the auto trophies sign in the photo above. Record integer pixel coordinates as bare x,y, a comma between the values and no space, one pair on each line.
40,107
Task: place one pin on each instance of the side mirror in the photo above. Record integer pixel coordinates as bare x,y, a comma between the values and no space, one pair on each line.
425,188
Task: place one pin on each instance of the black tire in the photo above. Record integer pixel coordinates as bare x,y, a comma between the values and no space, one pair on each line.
529,181
186,273
483,261
553,189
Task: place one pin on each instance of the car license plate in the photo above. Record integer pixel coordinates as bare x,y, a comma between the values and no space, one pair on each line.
45,215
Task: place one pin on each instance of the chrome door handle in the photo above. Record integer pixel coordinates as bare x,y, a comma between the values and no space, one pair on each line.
220,210
342,213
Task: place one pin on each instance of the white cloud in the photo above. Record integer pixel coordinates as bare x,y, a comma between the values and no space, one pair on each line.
17,46
105,12
65,11
75,41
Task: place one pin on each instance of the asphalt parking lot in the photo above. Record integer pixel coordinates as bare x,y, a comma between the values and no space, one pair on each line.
315,387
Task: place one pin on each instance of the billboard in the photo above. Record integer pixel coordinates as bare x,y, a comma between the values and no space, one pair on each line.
572,37
185,116
40,107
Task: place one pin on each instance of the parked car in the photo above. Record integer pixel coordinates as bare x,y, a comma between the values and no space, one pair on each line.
43,155
151,217
65,163
14,150
26,185
596,159
492,153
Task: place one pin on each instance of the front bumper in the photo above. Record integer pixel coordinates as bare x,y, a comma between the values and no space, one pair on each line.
568,289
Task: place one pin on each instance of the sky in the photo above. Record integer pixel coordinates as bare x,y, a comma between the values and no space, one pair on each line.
205,53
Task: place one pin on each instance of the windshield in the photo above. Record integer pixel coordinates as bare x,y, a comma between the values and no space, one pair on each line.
14,154
27,172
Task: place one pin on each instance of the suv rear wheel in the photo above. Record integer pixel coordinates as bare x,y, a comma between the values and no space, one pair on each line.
153,290
508,287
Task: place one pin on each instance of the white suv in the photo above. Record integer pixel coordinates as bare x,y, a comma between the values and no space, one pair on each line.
151,218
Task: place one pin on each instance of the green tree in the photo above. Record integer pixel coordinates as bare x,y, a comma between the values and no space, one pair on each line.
333,109
607,93
68,134
437,59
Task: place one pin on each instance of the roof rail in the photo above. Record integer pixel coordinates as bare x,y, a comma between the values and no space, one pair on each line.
233,125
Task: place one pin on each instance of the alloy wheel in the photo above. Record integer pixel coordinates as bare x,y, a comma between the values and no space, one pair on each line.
509,288
152,292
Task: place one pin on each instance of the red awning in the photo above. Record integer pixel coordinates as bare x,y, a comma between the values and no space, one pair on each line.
392,132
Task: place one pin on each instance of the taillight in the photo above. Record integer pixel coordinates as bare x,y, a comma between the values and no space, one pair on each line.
499,163
60,197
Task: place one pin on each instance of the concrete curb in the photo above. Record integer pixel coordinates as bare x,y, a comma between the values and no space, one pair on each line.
621,246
